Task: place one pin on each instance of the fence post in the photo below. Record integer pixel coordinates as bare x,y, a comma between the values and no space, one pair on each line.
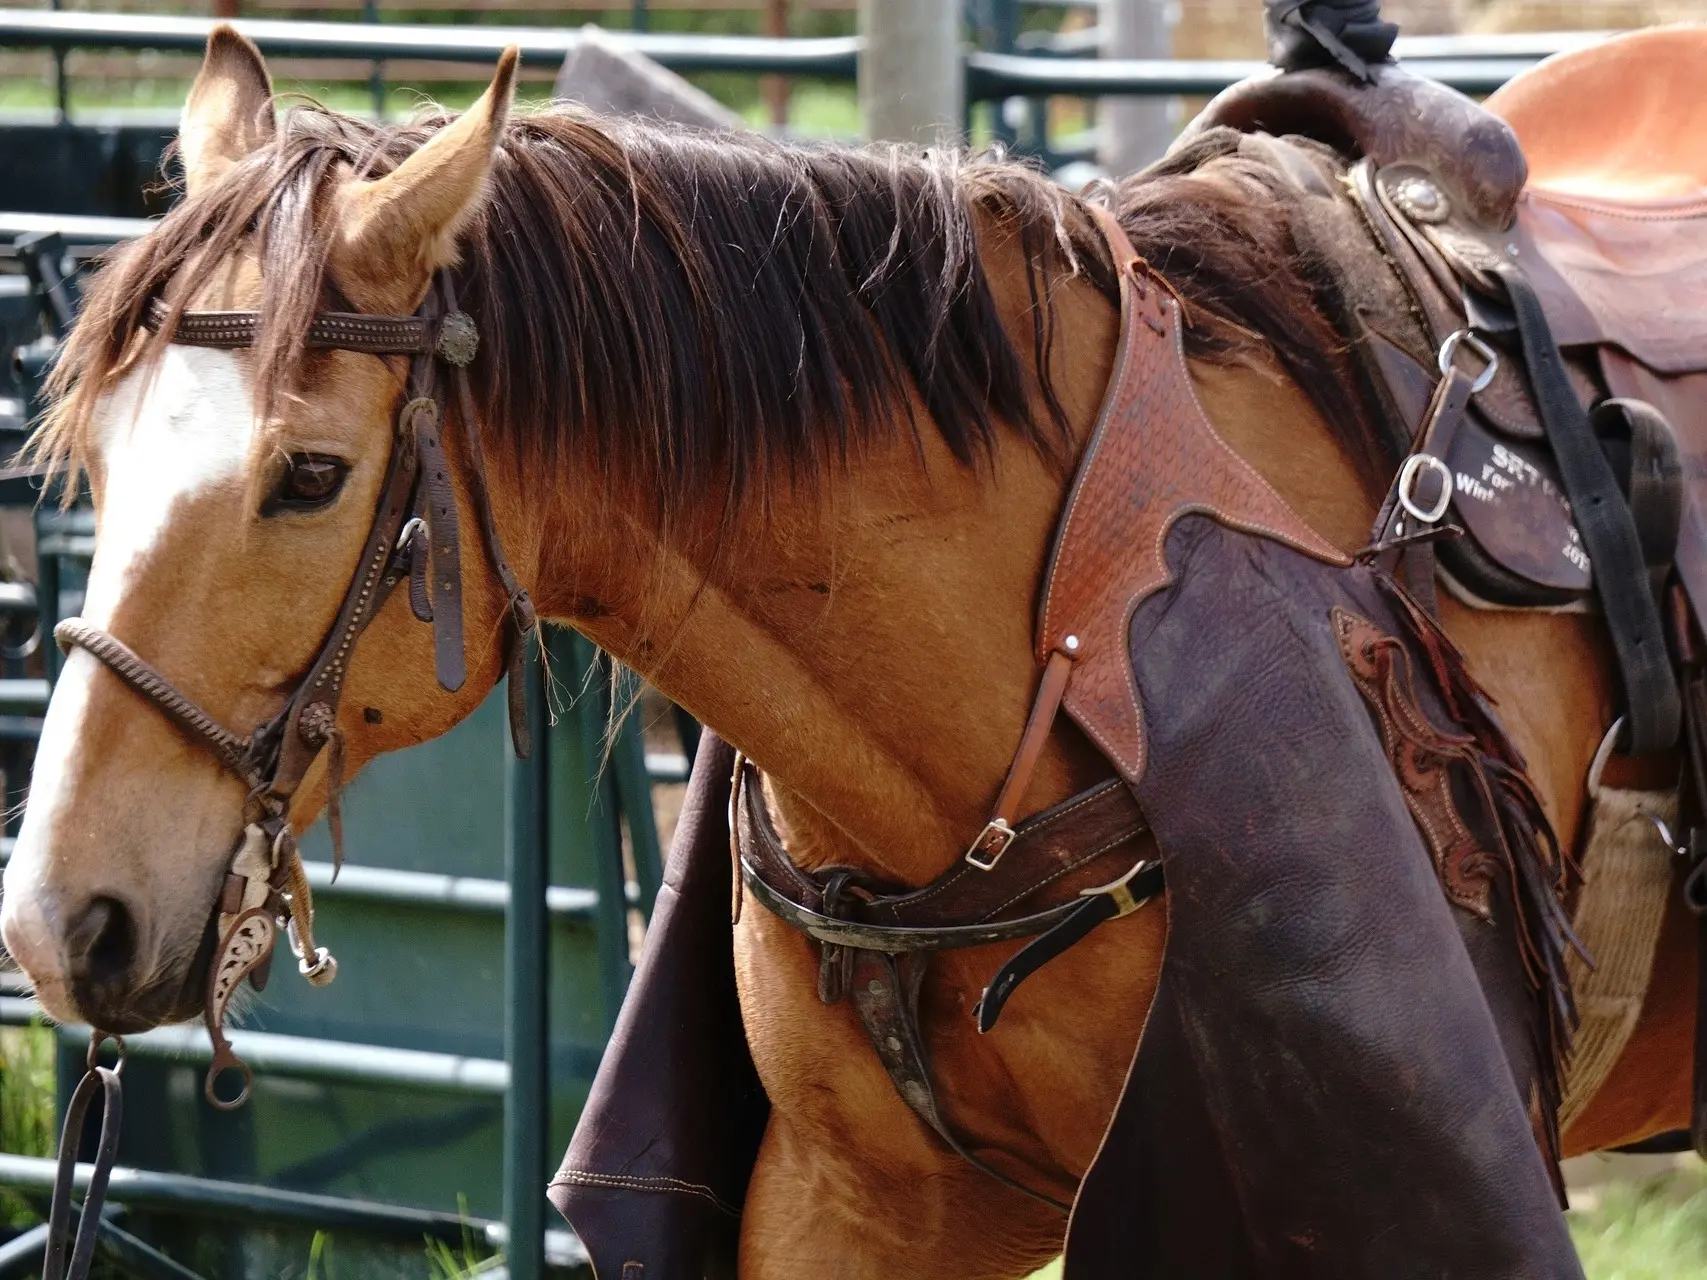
1134,131
911,76
527,971
376,72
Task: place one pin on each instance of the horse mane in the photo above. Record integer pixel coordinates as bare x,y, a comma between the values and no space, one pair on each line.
711,312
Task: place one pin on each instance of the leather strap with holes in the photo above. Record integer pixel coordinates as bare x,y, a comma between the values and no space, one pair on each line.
330,330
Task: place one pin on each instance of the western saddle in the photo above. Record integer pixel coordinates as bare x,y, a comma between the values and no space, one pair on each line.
1549,333
1537,337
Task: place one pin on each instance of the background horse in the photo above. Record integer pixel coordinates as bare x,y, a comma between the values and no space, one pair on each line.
785,429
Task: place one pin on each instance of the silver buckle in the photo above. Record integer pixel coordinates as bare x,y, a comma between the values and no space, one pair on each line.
991,844
1414,466
1449,349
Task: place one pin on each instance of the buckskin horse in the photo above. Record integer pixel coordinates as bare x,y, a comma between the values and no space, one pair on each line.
790,431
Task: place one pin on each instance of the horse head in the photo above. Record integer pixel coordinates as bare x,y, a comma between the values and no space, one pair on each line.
235,495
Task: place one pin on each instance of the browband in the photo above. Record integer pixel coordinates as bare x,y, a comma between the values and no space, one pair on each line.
452,338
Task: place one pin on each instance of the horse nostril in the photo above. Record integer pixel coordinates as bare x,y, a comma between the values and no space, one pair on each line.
101,944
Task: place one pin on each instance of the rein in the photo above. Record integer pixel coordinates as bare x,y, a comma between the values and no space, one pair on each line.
414,525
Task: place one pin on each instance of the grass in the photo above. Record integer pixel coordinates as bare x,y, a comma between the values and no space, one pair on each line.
1652,1228
26,1108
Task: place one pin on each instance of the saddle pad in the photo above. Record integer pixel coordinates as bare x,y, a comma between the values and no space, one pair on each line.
1626,876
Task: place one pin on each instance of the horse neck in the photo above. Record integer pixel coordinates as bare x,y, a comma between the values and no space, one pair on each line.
869,642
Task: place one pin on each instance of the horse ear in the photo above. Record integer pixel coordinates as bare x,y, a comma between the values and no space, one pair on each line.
396,230
229,112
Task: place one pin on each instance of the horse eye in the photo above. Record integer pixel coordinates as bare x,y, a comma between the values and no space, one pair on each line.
310,480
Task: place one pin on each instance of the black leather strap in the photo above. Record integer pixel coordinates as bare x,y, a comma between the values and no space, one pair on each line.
1653,709
1099,906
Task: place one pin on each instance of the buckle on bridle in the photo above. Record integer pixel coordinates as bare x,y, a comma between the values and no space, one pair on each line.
991,844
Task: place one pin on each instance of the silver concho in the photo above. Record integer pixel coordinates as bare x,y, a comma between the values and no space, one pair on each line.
1421,200
459,340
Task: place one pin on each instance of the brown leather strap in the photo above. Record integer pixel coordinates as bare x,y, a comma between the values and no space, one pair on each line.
523,618
998,834
444,537
331,330
314,708
886,997
1077,844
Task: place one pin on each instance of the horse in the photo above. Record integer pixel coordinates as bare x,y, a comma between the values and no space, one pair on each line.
785,429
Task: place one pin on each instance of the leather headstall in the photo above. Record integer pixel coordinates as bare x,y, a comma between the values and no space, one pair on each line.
1074,864
414,527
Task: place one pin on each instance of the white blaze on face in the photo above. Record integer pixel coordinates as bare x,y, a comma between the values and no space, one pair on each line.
162,436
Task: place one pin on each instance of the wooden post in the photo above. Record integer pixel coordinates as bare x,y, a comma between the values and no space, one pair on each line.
910,75
1134,131
776,88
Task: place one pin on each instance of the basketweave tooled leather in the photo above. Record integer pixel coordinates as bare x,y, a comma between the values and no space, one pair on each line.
1152,458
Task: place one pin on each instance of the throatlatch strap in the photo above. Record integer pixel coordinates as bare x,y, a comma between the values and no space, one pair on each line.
1653,707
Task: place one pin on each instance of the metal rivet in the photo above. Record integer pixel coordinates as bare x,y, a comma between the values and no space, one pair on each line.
894,1043
1071,644
875,987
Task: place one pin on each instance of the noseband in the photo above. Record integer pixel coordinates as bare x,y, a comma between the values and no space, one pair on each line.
414,529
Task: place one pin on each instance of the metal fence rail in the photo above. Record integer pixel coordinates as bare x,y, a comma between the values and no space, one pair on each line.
145,1189
1473,64
540,46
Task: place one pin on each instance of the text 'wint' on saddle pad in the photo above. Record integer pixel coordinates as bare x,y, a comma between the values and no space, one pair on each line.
1223,1152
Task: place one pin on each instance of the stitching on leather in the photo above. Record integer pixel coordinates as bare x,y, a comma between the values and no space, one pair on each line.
929,891
1041,823
1111,398
630,1182
1695,208
926,894
1068,869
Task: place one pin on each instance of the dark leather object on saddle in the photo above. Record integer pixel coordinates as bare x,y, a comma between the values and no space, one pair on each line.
1309,967
1588,284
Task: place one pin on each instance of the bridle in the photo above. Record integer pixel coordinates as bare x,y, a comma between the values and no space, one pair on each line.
414,529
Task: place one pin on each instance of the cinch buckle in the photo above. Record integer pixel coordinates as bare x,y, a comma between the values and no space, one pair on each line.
991,844
1121,890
